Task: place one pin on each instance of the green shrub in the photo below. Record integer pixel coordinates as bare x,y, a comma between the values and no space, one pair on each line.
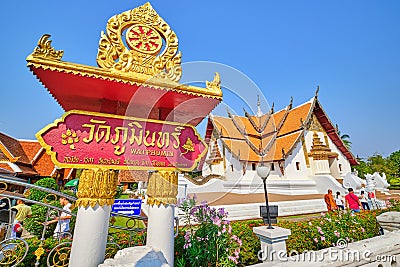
34,224
250,242
119,191
206,239
125,240
393,205
323,232
38,195
34,242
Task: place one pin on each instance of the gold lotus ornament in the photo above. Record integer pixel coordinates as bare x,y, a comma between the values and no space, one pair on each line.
69,138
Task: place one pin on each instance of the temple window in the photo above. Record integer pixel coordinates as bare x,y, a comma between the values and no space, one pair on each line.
231,167
340,167
298,166
253,166
272,166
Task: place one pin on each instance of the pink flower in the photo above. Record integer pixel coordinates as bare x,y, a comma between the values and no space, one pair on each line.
217,221
322,213
362,230
337,233
316,240
322,238
233,259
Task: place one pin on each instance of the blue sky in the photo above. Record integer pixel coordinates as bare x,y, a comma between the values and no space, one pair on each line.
286,48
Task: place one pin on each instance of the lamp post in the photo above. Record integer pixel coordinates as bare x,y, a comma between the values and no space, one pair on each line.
263,171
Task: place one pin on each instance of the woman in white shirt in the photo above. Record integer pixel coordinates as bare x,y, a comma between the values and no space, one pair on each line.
339,201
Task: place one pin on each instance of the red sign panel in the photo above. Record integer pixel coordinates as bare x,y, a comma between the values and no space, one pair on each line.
90,140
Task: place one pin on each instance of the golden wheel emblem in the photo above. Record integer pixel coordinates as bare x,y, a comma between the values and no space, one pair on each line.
143,39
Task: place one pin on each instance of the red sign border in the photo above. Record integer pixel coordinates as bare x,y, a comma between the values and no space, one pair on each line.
49,149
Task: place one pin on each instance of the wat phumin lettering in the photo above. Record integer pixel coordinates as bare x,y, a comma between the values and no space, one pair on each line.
134,133
87,139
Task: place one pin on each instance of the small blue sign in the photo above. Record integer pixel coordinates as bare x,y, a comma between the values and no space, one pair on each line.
127,206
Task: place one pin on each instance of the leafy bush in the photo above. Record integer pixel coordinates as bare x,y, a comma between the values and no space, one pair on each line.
124,240
250,242
119,191
34,242
323,232
34,224
38,195
393,204
207,238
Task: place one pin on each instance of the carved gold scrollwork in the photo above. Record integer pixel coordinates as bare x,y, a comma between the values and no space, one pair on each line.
3,187
152,47
97,187
215,85
162,188
45,50
315,125
13,251
59,256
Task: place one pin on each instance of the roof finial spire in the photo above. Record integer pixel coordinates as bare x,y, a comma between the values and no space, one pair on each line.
259,112
316,92
291,102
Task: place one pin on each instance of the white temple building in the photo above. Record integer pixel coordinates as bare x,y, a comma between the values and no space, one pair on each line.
300,144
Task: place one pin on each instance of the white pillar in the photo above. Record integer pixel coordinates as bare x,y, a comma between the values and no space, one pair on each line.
160,230
90,236
96,192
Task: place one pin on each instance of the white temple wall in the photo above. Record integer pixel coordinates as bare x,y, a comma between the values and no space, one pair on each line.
342,161
295,165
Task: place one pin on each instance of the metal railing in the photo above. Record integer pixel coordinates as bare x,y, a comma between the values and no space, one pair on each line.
14,250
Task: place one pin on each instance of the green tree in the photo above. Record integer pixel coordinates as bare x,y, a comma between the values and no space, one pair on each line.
374,163
38,195
345,138
394,163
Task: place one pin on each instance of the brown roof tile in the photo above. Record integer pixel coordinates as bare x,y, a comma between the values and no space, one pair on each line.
31,148
14,147
133,176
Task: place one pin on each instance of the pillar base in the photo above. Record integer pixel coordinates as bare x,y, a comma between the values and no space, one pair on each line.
160,230
273,243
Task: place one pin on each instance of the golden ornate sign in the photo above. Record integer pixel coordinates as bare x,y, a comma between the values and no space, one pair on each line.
152,47
97,140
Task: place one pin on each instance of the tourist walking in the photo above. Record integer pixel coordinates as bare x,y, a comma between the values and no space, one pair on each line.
62,221
23,211
364,201
339,201
330,202
352,201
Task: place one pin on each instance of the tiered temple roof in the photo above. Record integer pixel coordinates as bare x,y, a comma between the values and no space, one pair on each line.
26,158
272,136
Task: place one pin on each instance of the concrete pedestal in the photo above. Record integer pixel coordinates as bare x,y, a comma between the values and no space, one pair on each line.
273,242
160,230
143,256
90,236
